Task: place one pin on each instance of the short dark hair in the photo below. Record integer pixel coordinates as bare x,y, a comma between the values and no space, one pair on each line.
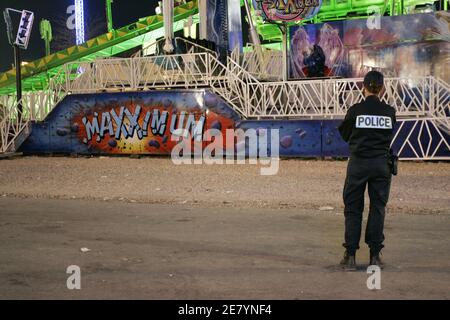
374,81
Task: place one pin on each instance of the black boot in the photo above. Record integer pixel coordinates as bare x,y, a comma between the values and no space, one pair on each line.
349,262
375,260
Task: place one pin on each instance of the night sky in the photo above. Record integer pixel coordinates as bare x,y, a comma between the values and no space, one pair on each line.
124,12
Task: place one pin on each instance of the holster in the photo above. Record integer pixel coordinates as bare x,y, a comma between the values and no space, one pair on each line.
393,162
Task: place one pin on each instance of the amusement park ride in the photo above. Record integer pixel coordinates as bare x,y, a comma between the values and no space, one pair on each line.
265,84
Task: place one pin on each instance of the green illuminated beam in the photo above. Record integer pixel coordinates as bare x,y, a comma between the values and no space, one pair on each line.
109,19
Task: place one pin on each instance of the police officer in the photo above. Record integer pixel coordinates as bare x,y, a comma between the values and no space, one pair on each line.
368,128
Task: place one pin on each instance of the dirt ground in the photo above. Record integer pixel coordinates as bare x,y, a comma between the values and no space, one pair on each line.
421,188
152,251
160,231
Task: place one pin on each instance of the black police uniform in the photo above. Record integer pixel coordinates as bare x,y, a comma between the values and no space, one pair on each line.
368,128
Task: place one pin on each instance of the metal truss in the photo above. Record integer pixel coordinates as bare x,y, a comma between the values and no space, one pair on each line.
332,98
35,107
10,126
141,73
230,84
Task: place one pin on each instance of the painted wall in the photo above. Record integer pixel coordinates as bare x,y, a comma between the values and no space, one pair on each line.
143,123
128,123
296,137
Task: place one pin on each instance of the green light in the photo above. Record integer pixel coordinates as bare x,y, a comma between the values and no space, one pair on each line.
109,18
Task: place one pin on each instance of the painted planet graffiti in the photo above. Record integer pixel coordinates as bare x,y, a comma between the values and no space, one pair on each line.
61,132
301,133
286,142
211,101
216,125
154,144
112,143
148,101
75,127
167,103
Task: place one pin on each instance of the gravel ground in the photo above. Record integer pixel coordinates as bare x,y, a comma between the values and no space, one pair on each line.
421,188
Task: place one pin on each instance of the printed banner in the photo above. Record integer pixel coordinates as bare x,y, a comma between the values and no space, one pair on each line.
404,46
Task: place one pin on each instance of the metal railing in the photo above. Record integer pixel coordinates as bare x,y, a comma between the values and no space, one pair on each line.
332,98
231,82
440,102
10,125
263,64
141,73
36,106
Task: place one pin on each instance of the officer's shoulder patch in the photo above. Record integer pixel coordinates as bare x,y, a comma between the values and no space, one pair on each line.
373,122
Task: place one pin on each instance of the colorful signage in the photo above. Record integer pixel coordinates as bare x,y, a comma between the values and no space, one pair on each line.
287,10
408,46
26,24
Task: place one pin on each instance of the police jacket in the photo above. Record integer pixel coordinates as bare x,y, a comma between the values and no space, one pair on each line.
368,128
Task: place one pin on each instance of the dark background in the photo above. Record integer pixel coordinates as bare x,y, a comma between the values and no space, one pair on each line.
124,12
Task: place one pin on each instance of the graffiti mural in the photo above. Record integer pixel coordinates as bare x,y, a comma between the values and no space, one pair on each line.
405,46
131,123
151,123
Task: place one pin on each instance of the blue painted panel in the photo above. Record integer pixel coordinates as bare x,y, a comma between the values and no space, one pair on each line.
298,138
332,143
40,136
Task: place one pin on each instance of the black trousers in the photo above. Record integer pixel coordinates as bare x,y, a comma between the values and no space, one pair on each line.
376,174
